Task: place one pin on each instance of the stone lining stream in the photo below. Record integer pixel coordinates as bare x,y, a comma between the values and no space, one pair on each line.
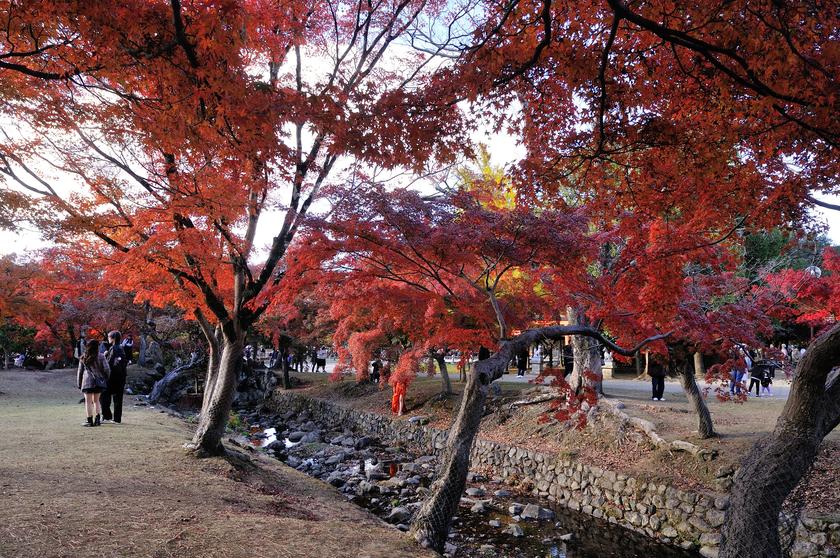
494,520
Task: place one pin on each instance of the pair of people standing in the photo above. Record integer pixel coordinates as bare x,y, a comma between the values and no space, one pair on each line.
101,377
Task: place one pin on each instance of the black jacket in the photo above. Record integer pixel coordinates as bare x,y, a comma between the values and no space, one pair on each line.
118,363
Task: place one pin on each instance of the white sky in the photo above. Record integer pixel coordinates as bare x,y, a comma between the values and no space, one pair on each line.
503,148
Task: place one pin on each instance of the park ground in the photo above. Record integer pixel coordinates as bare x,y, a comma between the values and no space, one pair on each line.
739,425
130,490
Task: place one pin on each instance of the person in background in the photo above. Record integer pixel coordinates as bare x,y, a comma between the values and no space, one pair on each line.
657,372
104,345
756,375
321,359
128,348
118,363
521,363
376,366
768,373
92,379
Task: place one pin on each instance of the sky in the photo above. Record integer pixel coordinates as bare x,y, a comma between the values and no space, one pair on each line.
503,149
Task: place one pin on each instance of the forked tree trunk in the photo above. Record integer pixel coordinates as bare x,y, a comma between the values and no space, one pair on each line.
705,426
214,416
431,524
446,385
778,461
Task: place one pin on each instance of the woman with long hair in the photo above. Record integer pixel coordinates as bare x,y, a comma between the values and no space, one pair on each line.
92,379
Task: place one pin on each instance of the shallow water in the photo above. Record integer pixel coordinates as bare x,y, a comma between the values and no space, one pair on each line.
569,535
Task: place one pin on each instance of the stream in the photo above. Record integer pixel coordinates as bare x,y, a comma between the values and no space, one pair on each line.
494,520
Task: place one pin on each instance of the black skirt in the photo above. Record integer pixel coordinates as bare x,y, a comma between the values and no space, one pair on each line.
93,390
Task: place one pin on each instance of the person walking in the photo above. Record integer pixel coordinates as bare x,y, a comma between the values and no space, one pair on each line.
118,363
321,359
376,366
521,363
756,375
92,379
767,376
657,373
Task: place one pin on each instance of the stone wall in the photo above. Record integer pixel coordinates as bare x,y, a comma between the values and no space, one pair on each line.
683,518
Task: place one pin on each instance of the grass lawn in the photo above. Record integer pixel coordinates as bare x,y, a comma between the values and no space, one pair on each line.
129,490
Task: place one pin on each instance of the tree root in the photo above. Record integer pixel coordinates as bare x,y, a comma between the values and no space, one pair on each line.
646,427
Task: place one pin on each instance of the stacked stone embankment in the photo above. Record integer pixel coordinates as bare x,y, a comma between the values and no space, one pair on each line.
689,519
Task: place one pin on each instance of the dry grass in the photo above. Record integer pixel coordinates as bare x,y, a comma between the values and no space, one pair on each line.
129,490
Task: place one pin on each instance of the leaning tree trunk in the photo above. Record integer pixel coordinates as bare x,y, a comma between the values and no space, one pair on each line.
705,426
446,385
778,461
162,387
214,416
431,524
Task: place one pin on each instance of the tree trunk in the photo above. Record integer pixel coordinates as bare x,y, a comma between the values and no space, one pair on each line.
162,386
705,427
214,352
214,416
778,461
141,358
446,385
699,368
431,525
587,357
284,366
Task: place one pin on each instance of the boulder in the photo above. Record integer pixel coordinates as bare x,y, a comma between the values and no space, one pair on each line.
313,437
336,480
399,514
533,511
335,459
363,442
296,436
515,530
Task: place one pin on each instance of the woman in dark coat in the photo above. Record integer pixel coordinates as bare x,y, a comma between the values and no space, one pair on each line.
657,372
92,379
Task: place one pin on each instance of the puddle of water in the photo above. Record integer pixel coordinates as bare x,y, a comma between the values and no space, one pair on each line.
591,537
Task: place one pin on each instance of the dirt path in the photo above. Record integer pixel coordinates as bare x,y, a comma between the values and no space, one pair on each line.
129,490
